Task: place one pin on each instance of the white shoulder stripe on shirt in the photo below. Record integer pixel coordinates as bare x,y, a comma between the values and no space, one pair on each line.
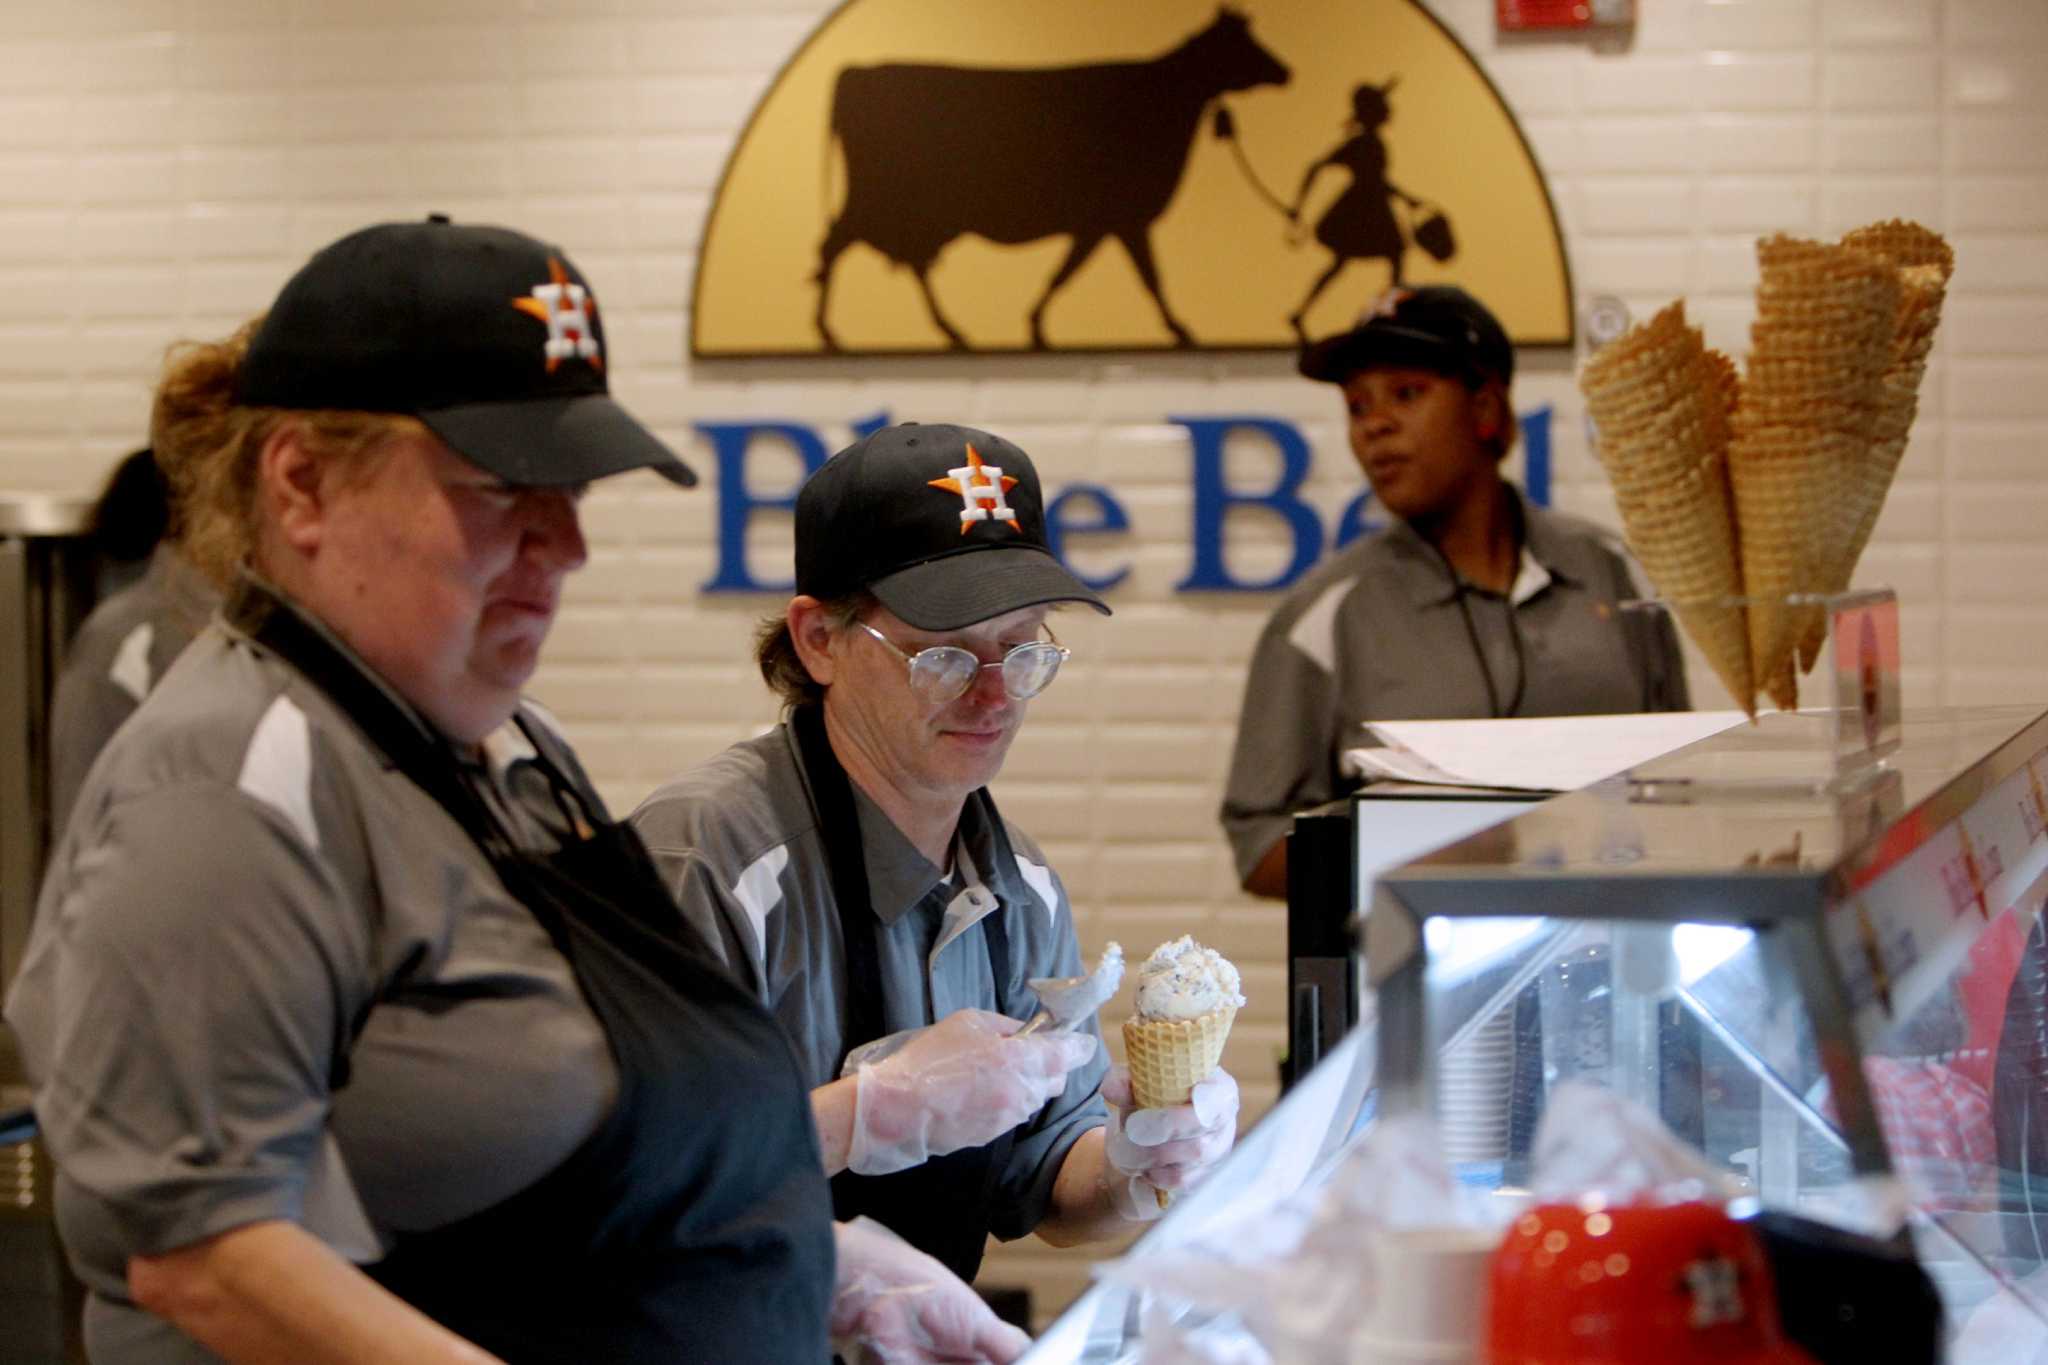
1039,879
278,768
759,892
130,671
1315,630
1530,578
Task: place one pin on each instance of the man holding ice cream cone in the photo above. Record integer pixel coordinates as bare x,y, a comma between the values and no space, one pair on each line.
854,871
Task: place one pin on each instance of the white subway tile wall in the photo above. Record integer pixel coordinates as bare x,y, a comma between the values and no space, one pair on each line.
166,163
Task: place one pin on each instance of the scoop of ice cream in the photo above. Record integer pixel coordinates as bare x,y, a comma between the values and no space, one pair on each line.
1184,980
1070,999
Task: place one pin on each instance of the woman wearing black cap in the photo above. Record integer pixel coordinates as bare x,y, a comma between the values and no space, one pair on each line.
360,1031
1471,602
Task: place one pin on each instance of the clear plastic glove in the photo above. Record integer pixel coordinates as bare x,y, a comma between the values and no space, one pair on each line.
960,1083
894,1305
1164,1149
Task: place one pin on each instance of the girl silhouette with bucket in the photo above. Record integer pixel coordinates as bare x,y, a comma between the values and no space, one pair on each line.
1360,223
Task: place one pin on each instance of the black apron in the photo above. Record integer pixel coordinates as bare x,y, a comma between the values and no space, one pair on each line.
944,1206
693,1224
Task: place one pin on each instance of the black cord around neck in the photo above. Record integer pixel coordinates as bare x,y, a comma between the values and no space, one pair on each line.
1459,589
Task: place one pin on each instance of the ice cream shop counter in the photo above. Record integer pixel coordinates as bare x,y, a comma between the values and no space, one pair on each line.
1741,1054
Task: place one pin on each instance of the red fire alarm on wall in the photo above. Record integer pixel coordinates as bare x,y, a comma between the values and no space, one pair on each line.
1530,16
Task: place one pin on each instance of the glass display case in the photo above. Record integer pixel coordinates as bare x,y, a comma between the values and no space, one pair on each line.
1832,984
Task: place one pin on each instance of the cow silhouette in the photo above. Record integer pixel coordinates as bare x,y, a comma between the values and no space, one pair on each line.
1018,154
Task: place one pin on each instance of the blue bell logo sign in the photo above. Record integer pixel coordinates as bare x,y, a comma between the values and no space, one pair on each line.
1154,175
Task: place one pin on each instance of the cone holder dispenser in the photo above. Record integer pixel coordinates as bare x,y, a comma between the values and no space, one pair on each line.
1862,655
1857,701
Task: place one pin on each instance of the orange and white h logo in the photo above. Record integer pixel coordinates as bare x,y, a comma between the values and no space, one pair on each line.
1388,304
981,488
1715,1283
566,308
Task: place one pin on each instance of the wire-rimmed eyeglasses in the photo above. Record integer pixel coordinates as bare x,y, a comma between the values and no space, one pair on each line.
943,672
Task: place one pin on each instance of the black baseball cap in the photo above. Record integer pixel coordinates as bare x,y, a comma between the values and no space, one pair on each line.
1434,327
945,525
489,337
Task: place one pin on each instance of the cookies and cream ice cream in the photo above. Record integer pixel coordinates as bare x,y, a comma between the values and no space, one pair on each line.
1184,980
1068,1000
1187,998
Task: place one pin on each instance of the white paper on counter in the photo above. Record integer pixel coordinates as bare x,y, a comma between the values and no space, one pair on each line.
1556,753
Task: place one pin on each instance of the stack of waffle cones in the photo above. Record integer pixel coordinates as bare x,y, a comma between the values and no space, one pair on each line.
1168,1058
1662,403
1803,424
1737,494
1922,262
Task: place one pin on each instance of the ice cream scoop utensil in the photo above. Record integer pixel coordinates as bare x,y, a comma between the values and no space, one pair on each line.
1065,1001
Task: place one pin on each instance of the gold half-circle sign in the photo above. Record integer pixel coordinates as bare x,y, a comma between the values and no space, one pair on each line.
1065,175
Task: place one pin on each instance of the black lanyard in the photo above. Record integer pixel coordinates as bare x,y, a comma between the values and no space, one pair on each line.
1460,590
694,1221
422,754
943,1207
839,829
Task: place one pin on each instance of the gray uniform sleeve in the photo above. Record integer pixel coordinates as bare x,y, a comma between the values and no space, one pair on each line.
708,909
199,984
87,708
1286,733
1024,1186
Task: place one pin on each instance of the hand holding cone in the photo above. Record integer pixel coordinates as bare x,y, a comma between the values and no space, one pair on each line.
1188,996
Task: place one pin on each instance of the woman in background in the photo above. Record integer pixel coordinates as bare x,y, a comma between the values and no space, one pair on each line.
155,601
1472,602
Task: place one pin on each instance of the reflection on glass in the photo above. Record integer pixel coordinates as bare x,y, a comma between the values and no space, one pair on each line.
1703,947
1703,1026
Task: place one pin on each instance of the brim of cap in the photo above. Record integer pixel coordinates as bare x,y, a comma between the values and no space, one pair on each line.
555,442
959,590
1335,359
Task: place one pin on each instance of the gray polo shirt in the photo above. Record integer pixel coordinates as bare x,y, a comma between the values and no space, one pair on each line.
1375,633
243,879
737,840
117,656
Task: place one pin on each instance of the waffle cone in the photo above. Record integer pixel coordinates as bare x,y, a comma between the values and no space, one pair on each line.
1923,262
1808,409
1904,244
1682,531
1662,404
1784,485
1783,687
1811,642
1766,486
1720,374
1921,290
1169,1057
1654,400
